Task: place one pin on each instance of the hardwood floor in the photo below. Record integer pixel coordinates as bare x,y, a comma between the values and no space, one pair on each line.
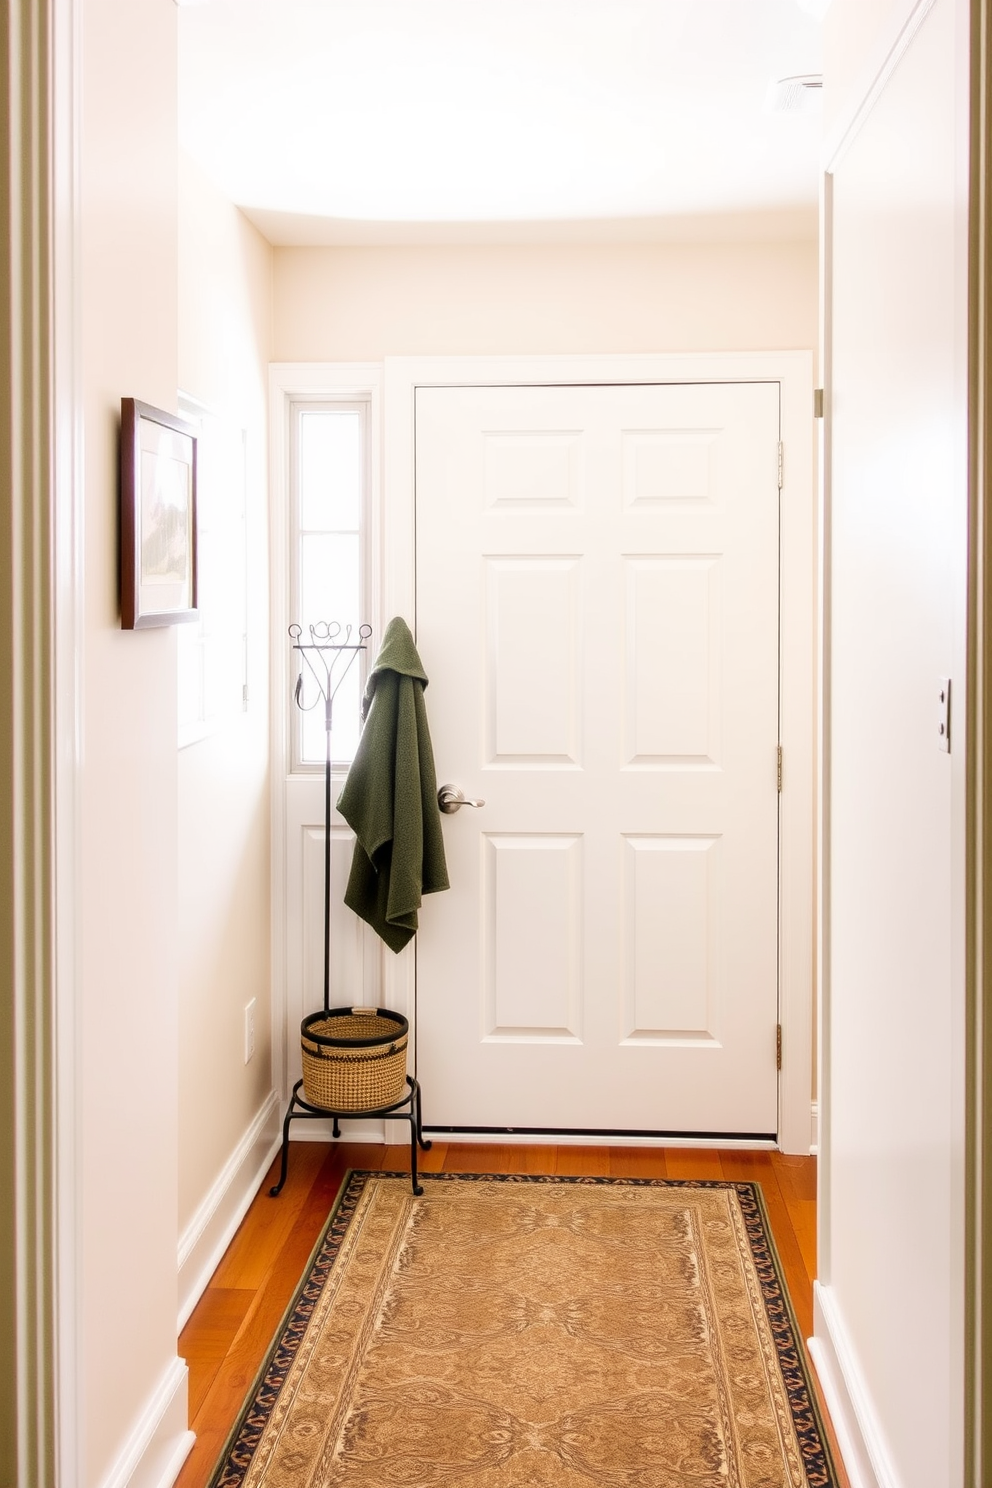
226,1338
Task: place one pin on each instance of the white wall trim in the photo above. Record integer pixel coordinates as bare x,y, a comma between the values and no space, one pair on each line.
852,1414
210,1231
793,370
160,1440
888,53
67,570
814,1129
593,1139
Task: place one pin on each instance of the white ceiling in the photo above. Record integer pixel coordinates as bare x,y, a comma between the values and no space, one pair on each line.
381,120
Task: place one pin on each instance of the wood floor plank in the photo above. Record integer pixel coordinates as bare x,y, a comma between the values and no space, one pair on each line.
534,1159
477,1157
583,1162
244,1263
207,1336
432,1161
638,1162
803,1213
693,1162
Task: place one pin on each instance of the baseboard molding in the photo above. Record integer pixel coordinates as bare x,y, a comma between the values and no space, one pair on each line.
209,1232
161,1439
313,1130
583,1139
852,1414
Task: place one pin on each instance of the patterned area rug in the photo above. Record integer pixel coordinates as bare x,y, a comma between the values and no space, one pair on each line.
535,1333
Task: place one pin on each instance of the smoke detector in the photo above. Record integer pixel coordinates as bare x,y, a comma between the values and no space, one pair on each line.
795,95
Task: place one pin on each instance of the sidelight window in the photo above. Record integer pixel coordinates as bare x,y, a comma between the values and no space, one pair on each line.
330,502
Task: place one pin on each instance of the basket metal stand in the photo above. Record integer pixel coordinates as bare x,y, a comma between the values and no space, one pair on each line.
329,656
406,1109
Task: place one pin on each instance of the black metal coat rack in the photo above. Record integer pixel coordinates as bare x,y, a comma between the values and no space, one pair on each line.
329,656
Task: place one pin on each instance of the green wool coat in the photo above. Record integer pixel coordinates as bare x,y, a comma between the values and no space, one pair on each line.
390,797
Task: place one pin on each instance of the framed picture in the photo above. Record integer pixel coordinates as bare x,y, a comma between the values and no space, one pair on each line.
158,517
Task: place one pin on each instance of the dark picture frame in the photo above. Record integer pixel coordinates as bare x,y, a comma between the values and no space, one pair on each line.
158,517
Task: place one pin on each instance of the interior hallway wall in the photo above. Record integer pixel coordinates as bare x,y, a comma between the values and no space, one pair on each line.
225,305
343,304
892,1174
129,1379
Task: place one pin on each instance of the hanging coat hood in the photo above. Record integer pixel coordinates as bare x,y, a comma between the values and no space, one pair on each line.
390,797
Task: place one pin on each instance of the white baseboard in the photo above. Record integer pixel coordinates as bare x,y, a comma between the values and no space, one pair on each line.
852,1413
212,1227
351,1131
579,1139
161,1439
814,1127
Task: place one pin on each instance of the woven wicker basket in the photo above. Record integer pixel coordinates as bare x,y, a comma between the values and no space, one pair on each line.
354,1059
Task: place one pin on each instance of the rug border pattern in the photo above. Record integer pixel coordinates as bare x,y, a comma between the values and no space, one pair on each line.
239,1449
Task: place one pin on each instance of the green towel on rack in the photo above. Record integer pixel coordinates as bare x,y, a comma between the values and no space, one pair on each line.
390,797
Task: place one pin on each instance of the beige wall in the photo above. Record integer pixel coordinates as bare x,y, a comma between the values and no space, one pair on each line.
225,275
366,303
128,958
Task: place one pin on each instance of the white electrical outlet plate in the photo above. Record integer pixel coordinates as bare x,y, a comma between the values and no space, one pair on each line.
944,714
249,1030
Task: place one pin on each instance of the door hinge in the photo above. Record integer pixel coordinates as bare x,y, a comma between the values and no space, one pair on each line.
817,402
778,1046
781,464
778,768
244,695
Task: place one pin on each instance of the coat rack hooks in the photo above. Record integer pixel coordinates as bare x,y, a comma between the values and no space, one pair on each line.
328,656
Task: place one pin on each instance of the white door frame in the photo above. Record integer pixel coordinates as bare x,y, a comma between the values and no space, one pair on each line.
793,371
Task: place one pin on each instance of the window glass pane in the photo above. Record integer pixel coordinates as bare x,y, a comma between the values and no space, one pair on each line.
329,587
330,591
330,470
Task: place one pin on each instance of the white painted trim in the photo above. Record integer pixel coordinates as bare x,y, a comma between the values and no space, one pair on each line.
823,703
210,1231
564,1139
289,381
852,1413
160,1440
814,1129
888,53
369,1131
793,370
797,704
67,575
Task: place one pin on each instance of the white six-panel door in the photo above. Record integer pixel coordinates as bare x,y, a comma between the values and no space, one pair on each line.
598,610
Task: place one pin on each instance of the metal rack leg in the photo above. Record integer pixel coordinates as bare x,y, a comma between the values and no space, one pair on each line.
418,1188
275,1191
428,1144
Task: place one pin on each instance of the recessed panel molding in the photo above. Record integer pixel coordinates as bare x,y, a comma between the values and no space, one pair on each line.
672,890
532,469
673,664
532,887
533,649
669,468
